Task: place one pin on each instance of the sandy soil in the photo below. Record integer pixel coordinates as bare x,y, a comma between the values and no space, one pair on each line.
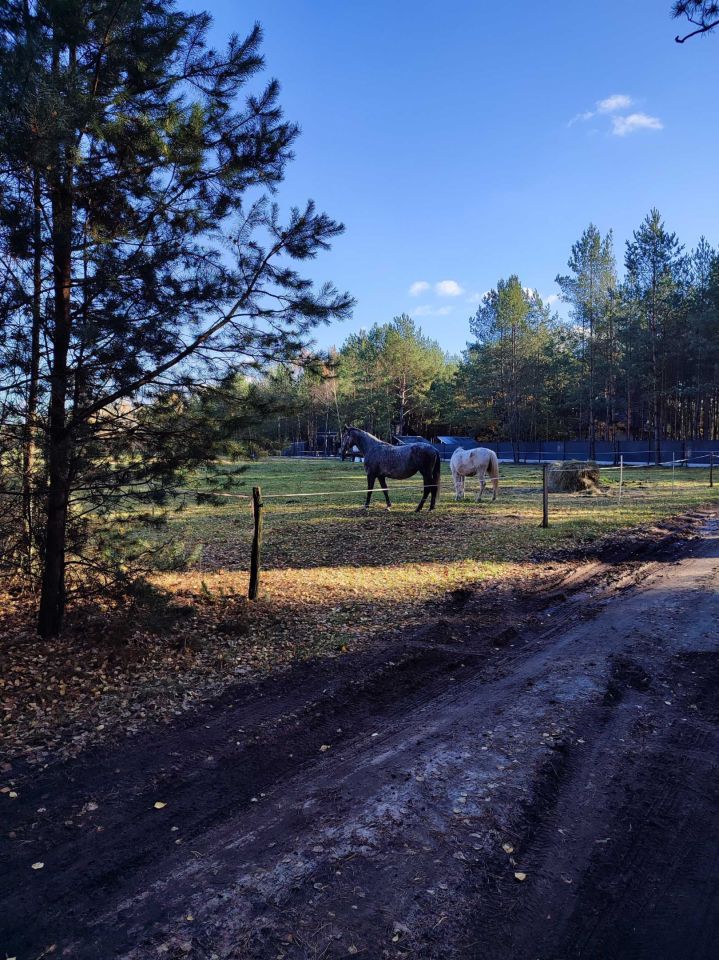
533,775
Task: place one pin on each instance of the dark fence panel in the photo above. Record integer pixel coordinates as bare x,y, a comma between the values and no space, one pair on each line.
605,452
635,451
530,451
698,452
446,450
505,450
576,450
693,452
553,450
672,448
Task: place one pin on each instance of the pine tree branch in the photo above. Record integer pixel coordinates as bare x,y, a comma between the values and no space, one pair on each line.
705,28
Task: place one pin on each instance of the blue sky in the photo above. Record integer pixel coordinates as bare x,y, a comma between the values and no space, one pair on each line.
455,140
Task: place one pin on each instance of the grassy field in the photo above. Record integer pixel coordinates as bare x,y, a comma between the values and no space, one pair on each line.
332,571
334,579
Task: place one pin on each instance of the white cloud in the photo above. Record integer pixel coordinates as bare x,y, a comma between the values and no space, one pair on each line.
448,288
580,117
621,126
617,101
552,298
419,286
621,123
427,310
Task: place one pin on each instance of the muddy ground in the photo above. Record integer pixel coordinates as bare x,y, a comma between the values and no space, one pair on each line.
532,775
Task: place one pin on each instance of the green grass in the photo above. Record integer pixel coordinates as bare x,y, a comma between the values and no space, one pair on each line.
331,529
334,578
331,571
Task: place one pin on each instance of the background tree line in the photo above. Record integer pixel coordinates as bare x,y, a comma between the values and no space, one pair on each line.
634,358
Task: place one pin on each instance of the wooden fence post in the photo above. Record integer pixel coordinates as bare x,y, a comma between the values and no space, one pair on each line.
621,477
256,553
545,496
711,469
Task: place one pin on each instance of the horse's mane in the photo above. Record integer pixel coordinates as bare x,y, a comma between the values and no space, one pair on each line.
365,433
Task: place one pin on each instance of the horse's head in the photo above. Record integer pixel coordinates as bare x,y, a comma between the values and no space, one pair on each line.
347,441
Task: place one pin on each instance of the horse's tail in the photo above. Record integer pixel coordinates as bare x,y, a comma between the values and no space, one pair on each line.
437,472
493,469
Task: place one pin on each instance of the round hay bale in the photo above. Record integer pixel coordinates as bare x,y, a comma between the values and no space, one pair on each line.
573,476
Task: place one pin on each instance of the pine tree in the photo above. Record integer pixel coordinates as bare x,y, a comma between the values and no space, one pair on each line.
589,289
506,365
164,257
703,15
653,261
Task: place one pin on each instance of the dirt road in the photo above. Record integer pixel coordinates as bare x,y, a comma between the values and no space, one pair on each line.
531,776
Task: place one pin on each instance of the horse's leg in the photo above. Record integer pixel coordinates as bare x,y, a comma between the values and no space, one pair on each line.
428,488
383,484
495,484
424,495
371,477
432,494
458,479
482,484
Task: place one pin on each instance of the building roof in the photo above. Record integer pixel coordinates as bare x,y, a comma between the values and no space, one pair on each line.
408,439
467,443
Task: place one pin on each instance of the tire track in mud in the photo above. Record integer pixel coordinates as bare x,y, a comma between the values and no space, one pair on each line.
442,748
622,842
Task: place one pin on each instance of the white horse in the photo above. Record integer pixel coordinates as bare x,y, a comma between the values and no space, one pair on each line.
470,463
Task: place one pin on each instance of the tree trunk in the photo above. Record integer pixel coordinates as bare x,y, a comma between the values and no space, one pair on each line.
29,438
656,400
52,599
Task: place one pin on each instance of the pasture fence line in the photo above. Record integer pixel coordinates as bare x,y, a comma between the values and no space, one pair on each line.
260,500
296,496
529,486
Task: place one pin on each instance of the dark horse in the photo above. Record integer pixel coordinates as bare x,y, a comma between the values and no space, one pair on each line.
382,460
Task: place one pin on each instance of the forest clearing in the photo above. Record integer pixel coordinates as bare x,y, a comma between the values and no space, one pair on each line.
359,534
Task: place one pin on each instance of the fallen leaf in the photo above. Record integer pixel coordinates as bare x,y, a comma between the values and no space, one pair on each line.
324,747
508,848
159,804
38,866
519,875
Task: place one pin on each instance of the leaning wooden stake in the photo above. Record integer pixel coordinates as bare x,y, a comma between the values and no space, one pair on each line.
256,544
545,496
